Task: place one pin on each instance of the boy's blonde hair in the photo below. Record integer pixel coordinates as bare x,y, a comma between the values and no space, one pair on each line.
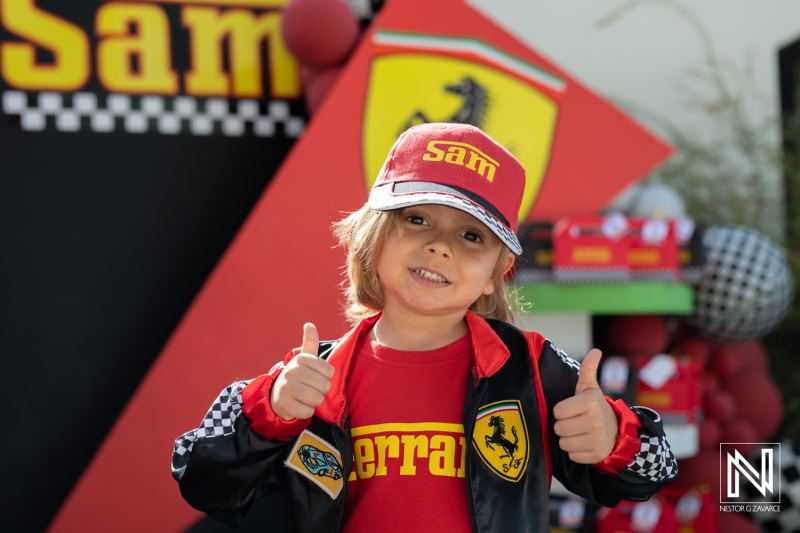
363,234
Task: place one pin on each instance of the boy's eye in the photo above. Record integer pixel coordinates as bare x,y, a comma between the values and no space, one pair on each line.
471,236
418,220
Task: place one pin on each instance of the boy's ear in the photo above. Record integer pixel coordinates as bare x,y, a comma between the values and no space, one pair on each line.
509,263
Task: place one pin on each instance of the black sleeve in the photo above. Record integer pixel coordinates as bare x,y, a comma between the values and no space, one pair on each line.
224,466
652,468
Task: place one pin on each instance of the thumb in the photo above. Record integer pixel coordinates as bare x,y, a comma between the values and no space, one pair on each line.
588,377
310,339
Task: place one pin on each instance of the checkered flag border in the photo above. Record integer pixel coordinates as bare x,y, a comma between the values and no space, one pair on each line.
141,114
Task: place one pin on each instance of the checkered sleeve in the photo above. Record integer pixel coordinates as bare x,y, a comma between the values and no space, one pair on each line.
218,421
655,460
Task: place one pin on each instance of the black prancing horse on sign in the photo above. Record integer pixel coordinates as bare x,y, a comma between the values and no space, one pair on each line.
498,438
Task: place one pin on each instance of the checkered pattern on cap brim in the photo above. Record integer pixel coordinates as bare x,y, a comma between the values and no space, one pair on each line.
218,421
382,199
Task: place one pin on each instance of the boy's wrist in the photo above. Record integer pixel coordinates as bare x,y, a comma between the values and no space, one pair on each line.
257,407
272,404
626,444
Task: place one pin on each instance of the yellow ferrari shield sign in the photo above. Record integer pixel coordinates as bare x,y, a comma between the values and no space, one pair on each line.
501,438
429,79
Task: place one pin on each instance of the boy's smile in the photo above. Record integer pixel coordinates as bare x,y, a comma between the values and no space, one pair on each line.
441,261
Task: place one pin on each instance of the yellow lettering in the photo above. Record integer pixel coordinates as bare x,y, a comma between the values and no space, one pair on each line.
413,447
591,254
386,446
654,399
149,46
245,32
435,154
462,442
455,155
644,257
68,43
365,456
442,461
485,168
544,257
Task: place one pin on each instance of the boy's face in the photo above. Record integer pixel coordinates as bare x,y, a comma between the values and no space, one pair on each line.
442,261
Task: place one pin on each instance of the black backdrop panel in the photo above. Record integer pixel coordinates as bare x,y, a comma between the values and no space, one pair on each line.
105,239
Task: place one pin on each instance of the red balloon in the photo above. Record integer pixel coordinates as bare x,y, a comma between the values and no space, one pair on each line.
720,405
638,334
316,84
710,383
736,523
697,349
710,434
740,430
703,468
320,33
759,402
725,362
754,356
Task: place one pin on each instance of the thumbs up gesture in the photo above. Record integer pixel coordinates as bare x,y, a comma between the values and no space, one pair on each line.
304,382
586,423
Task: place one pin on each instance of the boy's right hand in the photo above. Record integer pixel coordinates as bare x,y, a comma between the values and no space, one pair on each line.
304,382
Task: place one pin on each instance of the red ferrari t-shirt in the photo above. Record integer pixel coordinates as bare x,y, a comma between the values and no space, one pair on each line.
408,439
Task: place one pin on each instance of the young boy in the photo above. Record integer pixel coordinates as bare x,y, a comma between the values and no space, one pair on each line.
432,413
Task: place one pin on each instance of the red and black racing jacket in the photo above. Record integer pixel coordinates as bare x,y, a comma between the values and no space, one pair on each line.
226,464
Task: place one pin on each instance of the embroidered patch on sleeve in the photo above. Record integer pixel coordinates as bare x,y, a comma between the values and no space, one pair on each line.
501,438
319,461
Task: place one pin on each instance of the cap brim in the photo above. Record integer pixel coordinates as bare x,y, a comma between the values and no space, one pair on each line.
382,199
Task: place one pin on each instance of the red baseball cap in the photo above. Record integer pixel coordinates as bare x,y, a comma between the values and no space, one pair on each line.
456,165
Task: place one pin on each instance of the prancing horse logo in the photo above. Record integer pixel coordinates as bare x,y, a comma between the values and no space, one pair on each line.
504,451
499,438
473,110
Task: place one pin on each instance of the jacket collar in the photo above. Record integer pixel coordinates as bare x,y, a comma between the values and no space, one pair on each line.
490,354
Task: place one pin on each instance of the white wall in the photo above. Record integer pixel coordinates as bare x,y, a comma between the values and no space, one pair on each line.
645,54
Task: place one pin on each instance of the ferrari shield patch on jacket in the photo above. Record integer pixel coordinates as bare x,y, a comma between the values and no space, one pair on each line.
318,461
501,438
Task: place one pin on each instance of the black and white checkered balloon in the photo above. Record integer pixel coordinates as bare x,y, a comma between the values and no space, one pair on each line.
747,286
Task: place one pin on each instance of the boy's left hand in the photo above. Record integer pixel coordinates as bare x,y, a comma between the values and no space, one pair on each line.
586,423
